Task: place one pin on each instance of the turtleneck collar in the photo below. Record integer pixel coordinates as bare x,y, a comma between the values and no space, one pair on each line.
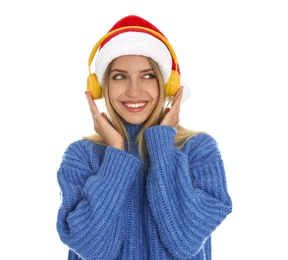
133,130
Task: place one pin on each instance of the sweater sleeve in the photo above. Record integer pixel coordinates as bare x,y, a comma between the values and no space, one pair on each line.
186,190
93,190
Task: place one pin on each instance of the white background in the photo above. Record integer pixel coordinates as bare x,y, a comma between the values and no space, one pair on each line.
233,55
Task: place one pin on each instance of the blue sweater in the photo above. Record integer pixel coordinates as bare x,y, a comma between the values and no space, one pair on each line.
114,207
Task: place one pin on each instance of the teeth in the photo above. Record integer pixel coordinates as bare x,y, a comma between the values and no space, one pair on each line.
135,105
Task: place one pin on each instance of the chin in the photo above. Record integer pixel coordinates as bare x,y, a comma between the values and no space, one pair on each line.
134,121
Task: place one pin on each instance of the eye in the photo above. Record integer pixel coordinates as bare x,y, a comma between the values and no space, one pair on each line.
149,76
118,77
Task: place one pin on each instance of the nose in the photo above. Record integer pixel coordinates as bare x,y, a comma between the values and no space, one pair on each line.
134,89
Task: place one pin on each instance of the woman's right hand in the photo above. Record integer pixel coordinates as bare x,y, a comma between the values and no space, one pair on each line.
103,127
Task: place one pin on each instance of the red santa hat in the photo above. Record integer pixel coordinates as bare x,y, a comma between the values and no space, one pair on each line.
133,35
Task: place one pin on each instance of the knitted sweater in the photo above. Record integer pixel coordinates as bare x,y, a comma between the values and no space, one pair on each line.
114,207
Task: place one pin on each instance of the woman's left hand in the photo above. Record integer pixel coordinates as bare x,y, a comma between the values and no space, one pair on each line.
171,117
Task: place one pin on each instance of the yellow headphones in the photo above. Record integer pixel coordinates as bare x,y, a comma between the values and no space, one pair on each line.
173,84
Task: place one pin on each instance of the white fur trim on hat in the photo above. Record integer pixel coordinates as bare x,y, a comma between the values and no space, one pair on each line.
134,43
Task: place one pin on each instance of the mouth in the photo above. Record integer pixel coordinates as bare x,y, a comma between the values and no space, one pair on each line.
135,105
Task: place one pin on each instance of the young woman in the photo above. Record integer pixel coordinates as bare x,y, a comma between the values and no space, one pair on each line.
142,186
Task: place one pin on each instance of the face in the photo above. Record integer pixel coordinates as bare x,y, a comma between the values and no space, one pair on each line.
133,88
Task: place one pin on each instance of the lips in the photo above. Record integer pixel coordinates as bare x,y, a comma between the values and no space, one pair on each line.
135,106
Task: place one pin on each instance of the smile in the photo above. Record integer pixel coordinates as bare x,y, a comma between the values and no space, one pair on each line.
135,105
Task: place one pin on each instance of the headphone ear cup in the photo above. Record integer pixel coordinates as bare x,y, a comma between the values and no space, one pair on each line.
93,86
173,83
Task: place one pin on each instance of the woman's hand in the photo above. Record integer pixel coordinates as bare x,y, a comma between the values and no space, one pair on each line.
103,127
171,117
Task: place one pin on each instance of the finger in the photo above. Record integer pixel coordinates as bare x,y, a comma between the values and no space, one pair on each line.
89,99
179,93
103,114
92,105
177,102
167,109
177,98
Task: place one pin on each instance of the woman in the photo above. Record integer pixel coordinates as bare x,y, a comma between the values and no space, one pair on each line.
142,186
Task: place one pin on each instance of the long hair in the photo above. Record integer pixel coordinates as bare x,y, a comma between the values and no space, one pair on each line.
155,118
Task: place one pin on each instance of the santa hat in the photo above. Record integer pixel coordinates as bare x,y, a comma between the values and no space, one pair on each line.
140,39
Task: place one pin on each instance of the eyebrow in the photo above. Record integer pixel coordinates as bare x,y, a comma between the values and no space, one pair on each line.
124,71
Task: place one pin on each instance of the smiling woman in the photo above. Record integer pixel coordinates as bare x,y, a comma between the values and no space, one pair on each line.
133,88
142,186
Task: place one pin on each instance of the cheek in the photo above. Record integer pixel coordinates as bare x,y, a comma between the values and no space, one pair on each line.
154,92
112,93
